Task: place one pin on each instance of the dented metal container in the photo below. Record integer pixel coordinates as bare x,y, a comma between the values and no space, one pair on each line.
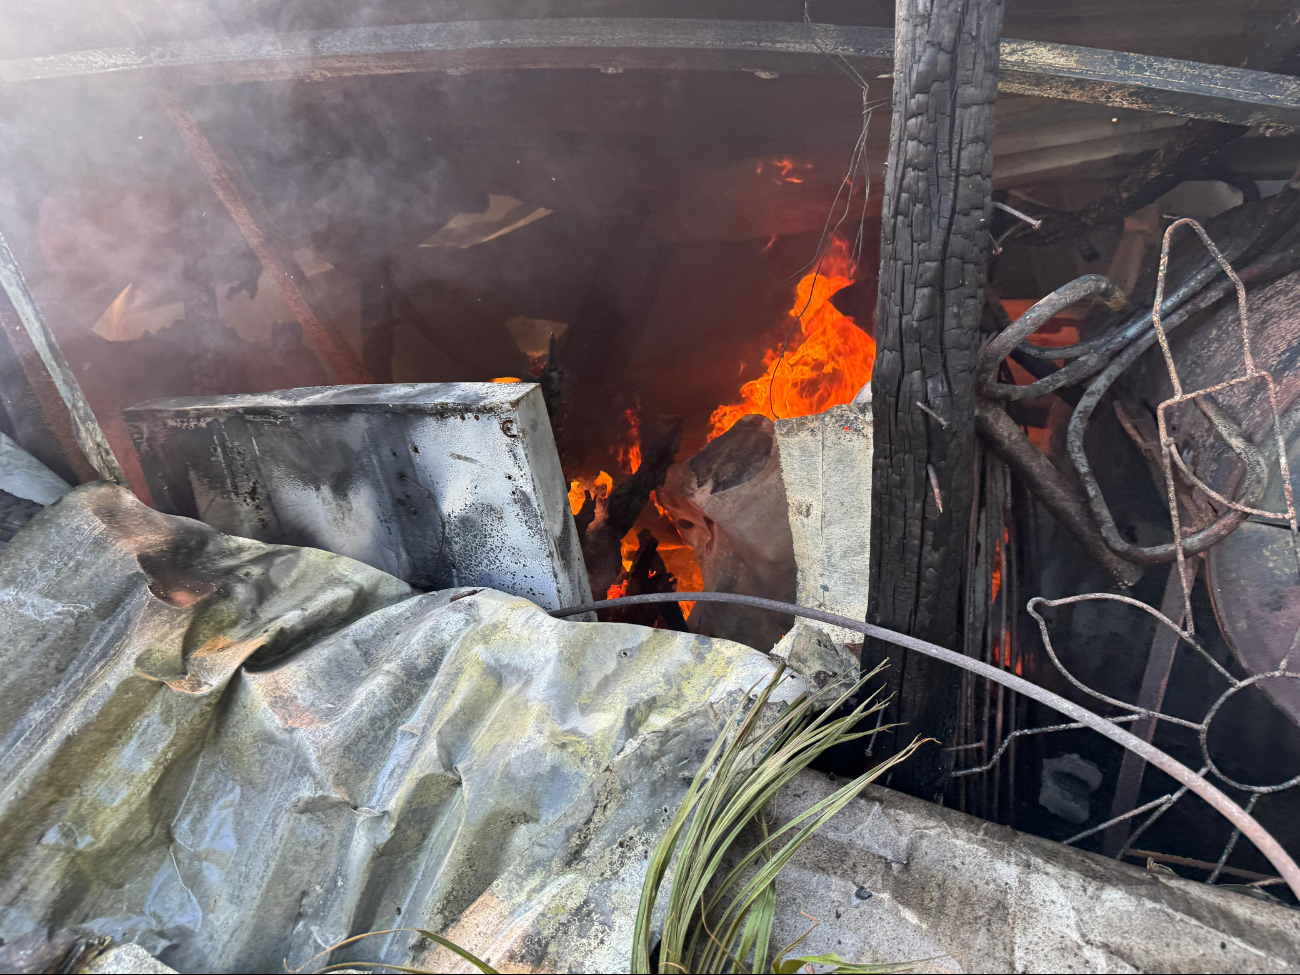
444,484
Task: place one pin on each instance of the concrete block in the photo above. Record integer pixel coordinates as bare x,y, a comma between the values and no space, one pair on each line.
897,879
441,485
126,959
826,465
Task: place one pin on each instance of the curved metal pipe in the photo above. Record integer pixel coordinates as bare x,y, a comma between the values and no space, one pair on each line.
1250,828
1093,360
1006,341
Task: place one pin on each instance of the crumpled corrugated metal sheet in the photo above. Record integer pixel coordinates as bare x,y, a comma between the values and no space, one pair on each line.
234,753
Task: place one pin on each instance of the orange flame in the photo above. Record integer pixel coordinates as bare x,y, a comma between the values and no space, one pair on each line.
617,591
783,167
628,450
828,360
578,490
654,500
997,565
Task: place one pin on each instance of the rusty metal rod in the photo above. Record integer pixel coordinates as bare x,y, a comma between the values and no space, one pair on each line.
236,193
1250,828
1006,341
1004,435
1151,697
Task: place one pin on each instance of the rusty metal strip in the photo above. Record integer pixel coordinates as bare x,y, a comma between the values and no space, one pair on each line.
1151,696
1166,85
236,192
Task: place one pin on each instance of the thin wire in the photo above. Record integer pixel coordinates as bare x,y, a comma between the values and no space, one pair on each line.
824,244
1029,731
857,161
1118,819
1168,448
1232,842
1114,702
1153,817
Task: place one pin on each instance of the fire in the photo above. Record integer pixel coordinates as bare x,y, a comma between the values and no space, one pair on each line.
784,168
600,486
997,565
654,500
617,591
628,450
827,362
506,379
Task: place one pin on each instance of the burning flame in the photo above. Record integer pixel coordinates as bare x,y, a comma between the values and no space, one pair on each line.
654,500
617,591
997,565
506,379
578,490
783,167
827,362
628,450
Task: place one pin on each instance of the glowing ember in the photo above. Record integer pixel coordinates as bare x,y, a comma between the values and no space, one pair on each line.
829,359
506,379
628,450
617,591
782,169
579,489
654,500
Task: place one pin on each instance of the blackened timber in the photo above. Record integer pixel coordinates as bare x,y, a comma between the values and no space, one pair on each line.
933,262
1222,94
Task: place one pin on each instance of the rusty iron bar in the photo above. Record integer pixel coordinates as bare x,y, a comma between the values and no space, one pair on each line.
1013,338
1050,487
1250,828
1151,696
85,427
1256,879
231,185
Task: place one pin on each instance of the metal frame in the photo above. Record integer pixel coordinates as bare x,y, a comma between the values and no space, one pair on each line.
764,48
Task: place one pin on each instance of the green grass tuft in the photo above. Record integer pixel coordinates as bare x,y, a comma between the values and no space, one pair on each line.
724,923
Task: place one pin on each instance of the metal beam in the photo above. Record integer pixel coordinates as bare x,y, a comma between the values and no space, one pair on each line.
85,428
235,190
1166,85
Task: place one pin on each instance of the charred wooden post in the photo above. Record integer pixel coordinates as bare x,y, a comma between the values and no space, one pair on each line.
934,253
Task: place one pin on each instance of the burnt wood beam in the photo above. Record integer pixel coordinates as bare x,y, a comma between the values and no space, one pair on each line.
934,251
1205,91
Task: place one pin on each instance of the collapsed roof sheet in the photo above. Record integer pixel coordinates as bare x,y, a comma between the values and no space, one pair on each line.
234,753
